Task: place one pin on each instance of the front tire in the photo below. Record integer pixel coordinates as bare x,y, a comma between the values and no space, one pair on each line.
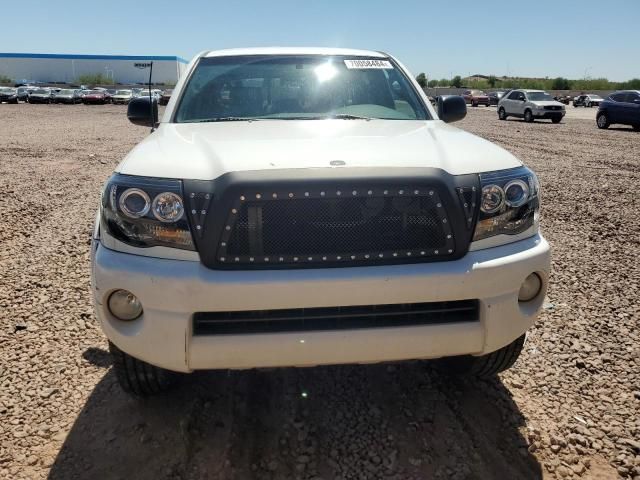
485,366
528,116
139,378
602,120
636,128
502,114
556,119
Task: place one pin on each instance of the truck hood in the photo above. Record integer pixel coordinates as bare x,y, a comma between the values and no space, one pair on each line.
205,151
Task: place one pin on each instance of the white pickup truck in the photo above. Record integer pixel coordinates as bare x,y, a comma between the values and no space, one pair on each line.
308,206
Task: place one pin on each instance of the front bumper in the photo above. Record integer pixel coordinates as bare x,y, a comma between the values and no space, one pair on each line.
172,290
548,114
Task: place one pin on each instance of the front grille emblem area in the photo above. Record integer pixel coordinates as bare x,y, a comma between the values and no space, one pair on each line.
342,225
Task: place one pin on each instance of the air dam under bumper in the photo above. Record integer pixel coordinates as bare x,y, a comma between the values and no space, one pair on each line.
171,291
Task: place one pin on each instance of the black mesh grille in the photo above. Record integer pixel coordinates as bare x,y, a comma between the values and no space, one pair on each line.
349,226
334,318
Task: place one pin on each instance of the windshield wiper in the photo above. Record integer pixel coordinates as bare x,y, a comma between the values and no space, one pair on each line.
347,116
224,119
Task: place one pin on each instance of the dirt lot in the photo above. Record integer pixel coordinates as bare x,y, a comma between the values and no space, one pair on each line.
569,409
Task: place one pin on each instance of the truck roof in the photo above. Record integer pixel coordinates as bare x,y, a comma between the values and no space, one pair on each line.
293,51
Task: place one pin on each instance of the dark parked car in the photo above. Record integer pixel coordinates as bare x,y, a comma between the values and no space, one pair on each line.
494,97
67,96
95,97
620,107
23,93
564,99
41,95
587,100
476,97
165,96
8,94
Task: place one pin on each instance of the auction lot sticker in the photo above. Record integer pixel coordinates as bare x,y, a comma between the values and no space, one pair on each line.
368,64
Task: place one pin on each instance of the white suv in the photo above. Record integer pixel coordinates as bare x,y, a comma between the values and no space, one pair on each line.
299,207
530,105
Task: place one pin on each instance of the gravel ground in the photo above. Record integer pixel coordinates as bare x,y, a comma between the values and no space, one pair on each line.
569,409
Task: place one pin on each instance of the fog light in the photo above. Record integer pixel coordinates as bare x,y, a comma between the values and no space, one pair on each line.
530,288
124,305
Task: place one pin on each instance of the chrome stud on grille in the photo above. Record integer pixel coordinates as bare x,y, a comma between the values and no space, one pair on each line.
207,196
234,211
439,205
290,194
380,255
281,259
430,192
353,257
223,244
258,196
338,193
295,259
193,212
416,192
275,195
198,227
395,254
203,212
449,236
242,198
222,259
193,195
422,253
436,252
322,194
386,192
408,254
266,259
366,256
339,257
370,192
450,251
251,259
310,259
237,259
228,227
324,258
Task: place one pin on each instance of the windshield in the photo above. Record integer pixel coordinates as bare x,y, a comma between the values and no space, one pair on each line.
539,96
123,92
595,97
298,87
40,90
66,92
6,89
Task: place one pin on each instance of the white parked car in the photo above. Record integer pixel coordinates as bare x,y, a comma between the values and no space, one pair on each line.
304,206
530,105
122,97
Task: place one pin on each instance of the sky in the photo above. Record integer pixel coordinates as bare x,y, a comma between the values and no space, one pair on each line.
544,38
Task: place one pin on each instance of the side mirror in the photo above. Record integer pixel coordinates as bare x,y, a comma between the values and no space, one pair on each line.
143,111
451,108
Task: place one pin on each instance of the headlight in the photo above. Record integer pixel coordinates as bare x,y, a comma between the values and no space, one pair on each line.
145,212
509,203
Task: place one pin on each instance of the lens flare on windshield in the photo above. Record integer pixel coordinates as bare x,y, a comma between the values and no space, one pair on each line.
325,72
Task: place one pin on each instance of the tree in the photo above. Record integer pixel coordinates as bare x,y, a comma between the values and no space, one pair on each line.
492,81
422,80
433,83
5,80
560,84
95,79
456,81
